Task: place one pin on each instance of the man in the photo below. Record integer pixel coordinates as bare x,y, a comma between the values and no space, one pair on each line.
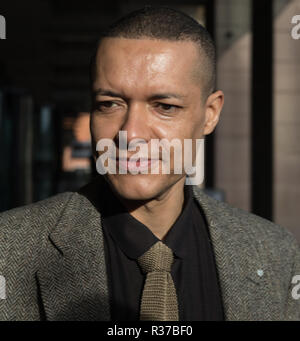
147,246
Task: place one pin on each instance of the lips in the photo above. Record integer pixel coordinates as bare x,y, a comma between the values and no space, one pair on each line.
139,164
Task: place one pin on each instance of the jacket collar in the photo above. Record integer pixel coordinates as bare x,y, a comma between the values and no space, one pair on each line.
72,275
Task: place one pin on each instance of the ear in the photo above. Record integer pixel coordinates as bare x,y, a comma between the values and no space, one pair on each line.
213,107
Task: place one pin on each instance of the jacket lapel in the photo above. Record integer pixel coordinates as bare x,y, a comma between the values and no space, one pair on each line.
72,276
242,274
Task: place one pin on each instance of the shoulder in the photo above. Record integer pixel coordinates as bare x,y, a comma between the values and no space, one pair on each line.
24,233
42,216
248,227
36,218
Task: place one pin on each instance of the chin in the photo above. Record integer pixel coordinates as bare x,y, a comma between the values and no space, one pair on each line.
139,187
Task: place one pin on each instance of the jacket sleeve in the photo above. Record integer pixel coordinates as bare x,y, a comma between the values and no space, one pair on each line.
292,312
19,244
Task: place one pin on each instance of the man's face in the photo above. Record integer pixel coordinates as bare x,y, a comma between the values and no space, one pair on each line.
147,88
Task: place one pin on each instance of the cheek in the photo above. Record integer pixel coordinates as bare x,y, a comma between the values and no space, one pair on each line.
198,123
175,128
103,128
181,129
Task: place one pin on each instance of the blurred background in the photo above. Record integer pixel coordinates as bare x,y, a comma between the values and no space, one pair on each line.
252,158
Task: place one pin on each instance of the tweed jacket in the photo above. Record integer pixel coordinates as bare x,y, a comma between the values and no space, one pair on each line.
53,262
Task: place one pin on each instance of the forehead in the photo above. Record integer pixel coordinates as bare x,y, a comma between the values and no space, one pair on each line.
146,63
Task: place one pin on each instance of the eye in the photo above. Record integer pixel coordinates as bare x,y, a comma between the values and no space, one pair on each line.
105,105
167,108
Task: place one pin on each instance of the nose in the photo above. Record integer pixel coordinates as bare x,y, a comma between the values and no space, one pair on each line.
136,123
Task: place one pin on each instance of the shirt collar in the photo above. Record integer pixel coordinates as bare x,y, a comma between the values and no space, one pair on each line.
177,235
134,238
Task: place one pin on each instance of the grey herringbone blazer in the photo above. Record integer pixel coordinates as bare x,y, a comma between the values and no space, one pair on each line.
52,258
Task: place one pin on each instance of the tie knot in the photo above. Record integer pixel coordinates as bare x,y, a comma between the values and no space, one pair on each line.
158,258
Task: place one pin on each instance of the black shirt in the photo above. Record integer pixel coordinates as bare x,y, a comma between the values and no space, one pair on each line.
193,271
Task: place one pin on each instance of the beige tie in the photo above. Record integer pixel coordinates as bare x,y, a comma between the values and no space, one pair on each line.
159,299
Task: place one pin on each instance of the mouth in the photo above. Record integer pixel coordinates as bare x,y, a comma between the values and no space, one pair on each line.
136,164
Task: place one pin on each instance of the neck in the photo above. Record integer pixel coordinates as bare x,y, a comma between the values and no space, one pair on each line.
161,213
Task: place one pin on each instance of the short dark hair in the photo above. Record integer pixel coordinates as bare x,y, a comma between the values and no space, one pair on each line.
165,23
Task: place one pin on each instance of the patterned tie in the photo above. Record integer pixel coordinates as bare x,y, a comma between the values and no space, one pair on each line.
159,299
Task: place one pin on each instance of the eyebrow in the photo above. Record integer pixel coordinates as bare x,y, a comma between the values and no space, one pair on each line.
158,96
106,93
166,95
